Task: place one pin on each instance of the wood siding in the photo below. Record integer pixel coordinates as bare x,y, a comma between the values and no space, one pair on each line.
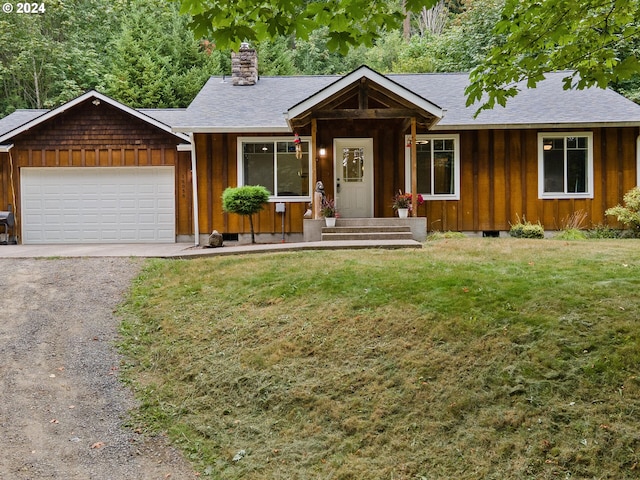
498,182
97,136
217,170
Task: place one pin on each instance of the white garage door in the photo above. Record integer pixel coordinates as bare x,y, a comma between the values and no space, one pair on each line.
98,205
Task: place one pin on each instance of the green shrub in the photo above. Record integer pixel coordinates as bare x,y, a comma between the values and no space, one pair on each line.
571,234
525,229
628,215
604,231
245,200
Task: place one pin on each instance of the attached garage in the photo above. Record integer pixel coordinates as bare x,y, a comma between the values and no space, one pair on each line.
98,205
96,171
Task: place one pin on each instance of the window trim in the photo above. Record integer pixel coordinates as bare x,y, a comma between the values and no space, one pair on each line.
542,195
456,165
289,139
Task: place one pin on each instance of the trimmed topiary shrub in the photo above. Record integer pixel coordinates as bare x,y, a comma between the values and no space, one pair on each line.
245,200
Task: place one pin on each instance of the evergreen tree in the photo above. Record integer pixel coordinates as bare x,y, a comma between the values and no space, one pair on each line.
155,60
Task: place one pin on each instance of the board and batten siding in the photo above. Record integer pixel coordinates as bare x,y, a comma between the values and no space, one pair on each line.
498,183
217,170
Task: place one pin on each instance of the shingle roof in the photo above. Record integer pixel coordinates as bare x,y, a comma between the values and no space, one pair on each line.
220,106
257,107
168,116
18,118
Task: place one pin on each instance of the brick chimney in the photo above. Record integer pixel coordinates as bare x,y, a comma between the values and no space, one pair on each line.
244,66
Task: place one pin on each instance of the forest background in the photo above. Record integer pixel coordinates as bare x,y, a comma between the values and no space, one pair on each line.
143,53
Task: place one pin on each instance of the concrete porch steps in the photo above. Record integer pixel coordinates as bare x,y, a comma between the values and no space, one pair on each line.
366,233
361,229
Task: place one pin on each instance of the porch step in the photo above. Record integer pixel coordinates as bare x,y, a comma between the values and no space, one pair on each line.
338,236
354,229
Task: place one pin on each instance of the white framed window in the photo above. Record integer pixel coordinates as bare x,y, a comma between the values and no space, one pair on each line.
565,165
438,163
272,162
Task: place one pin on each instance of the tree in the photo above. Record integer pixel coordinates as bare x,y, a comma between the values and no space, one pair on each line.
275,58
460,47
155,61
350,22
48,58
246,201
549,35
434,19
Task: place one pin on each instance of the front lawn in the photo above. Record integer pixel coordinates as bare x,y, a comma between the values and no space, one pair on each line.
468,359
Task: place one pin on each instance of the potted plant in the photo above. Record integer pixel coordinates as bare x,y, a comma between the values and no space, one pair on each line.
403,203
329,212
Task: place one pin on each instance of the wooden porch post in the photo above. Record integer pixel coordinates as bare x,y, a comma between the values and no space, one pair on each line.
315,207
414,170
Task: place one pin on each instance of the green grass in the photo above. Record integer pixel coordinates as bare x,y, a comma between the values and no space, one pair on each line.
468,359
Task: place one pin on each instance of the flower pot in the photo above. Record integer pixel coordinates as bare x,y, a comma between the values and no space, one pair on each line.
403,212
330,221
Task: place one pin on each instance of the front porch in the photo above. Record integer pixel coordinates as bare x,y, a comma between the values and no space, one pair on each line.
363,134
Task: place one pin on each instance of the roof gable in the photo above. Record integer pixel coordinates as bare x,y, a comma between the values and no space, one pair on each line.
373,92
43,116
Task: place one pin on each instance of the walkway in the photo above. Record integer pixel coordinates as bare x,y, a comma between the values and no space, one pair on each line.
186,250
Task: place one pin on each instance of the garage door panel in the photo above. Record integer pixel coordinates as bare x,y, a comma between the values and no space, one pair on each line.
98,205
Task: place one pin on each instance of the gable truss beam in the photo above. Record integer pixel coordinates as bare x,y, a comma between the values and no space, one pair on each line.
370,113
363,94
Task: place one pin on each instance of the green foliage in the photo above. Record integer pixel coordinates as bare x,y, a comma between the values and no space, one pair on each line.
629,214
155,61
350,22
603,231
47,59
417,56
246,201
274,58
328,208
571,234
312,57
551,35
526,229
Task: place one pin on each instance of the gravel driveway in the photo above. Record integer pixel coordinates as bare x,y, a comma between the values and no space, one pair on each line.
62,406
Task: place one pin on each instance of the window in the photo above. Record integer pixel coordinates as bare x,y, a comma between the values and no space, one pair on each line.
438,163
272,163
565,165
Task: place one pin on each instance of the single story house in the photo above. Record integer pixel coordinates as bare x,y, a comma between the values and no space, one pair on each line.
366,136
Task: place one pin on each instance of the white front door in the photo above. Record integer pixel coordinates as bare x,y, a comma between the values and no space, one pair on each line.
354,177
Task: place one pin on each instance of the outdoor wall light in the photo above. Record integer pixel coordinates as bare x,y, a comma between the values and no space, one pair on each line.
322,152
